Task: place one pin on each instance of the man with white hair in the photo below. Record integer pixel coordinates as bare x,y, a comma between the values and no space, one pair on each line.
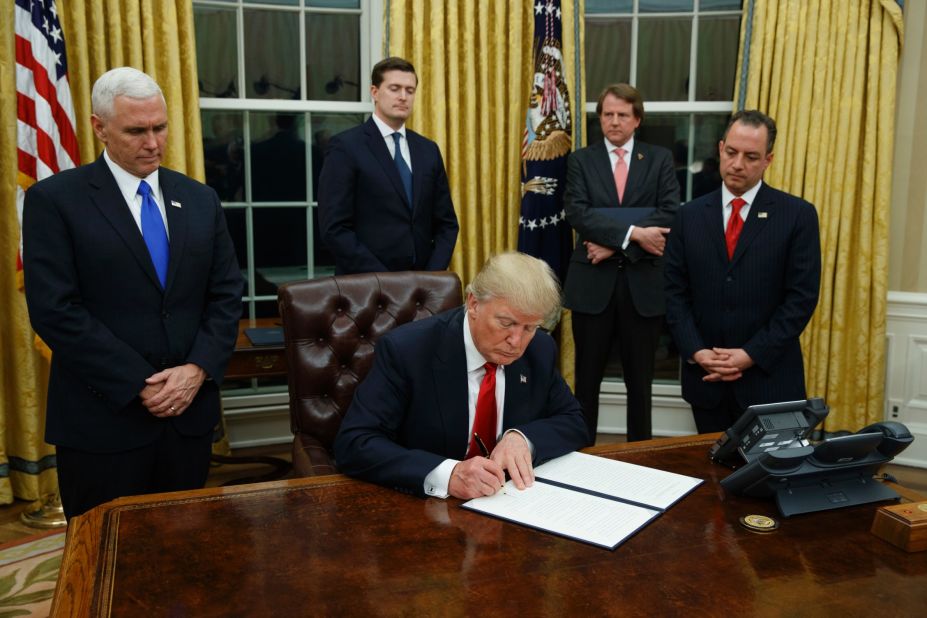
132,281
454,401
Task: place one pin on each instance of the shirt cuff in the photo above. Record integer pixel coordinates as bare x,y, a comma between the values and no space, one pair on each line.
439,479
627,238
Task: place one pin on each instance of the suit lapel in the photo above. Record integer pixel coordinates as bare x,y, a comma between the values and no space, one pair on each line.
381,153
417,154
112,205
450,376
713,222
602,167
637,170
517,393
176,223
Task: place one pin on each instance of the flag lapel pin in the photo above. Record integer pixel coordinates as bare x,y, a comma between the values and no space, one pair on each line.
523,378
762,215
175,204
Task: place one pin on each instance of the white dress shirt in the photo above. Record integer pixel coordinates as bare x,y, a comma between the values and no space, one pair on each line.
128,186
387,132
613,159
727,197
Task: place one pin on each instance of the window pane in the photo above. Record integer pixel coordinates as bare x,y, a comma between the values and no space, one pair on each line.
216,51
278,157
333,57
672,132
224,154
708,131
608,6
663,59
271,54
236,220
719,5
280,248
334,4
718,39
275,2
665,6
608,54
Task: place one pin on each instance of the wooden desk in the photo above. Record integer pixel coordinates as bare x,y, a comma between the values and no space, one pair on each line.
249,361
333,546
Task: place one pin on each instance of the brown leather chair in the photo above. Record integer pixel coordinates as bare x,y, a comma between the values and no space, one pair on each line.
331,325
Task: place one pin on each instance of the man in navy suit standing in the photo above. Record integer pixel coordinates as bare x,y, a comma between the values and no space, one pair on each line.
131,280
455,400
614,284
384,201
743,268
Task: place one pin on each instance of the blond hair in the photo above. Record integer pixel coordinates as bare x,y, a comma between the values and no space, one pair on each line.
525,283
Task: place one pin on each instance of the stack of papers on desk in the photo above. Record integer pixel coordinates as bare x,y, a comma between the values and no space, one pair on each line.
587,498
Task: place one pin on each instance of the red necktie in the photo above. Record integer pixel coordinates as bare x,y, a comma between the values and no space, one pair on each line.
734,225
621,173
484,424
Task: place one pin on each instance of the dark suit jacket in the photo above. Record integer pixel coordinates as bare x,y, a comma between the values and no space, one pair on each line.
364,213
411,413
94,298
591,186
759,301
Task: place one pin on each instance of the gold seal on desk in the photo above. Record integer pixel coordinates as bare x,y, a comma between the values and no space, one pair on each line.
759,523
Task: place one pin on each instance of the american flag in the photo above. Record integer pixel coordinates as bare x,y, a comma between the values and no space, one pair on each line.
46,140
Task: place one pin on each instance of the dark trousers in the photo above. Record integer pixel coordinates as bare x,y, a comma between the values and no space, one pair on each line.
172,463
636,337
720,417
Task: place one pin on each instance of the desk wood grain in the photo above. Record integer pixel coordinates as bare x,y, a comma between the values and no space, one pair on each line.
334,546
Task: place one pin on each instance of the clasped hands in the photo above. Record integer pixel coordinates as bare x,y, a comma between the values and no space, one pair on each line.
482,476
651,239
723,364
169,392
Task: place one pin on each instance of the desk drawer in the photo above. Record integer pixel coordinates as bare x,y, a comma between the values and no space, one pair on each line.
256,363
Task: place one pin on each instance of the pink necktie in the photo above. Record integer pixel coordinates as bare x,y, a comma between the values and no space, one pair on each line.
621,173
734,225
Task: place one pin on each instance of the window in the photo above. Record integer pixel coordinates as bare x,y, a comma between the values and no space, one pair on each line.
277,79
682,56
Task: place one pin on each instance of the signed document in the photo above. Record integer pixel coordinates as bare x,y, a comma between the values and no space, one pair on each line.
587,498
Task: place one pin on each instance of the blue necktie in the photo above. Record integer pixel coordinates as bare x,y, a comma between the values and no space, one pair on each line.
405,174
153,232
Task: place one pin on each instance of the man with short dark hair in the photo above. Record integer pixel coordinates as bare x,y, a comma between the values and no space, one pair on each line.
454,401
614,284
131,280
384,200
743,268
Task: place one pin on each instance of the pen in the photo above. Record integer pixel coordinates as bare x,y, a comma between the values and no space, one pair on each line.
479,443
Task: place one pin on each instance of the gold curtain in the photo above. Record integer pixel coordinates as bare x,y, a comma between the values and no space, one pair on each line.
26,462
474,63
99,36
826,72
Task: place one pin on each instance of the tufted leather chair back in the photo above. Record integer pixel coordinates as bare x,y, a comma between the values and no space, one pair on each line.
331,325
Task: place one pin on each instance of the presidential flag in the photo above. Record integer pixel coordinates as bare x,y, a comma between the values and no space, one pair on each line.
46,140
542,227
